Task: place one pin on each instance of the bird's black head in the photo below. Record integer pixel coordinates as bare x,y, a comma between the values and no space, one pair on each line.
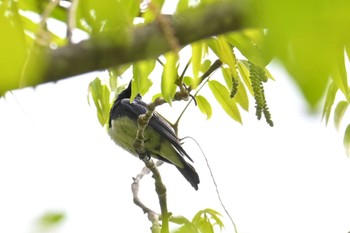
116,110
126,94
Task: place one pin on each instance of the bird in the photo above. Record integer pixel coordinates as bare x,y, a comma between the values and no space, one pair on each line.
160,140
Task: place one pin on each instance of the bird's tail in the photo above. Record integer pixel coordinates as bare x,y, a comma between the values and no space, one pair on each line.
190,174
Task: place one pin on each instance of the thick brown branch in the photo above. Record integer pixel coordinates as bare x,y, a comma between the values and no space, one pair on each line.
147,41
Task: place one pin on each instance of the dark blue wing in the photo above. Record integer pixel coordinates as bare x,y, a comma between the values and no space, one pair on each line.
138,107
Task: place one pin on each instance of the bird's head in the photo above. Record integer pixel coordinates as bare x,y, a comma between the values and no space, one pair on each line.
126,93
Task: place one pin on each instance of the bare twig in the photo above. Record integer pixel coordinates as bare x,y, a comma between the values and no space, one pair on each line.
71,19
217,64
161,192
142,123
42,36
152,215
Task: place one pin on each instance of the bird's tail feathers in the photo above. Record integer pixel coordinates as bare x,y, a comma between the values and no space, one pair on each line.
190,174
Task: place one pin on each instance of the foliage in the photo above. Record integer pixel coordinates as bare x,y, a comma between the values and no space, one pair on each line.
309,38
49,221
203,222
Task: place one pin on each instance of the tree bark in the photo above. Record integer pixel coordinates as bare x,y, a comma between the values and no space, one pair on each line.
145,42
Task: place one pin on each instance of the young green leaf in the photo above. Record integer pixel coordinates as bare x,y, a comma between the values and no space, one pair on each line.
141,80
169,77
227,56
153,10
204,106
241,96
225,52
13,48
51,219
347,50
222,95
339,75
346,140
250,42
204,225
339,112
243,69
205,65
206,219
226,73
332,91
188,81
112,18
197,52
182,6
100,95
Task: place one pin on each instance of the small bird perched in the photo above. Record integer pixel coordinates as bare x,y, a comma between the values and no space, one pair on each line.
160,140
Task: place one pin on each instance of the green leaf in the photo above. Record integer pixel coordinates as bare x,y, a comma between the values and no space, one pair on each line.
112,18
250,43
224,51
268,74
197,52
216,216
332,91
141,80
154,9
241,97
204,106
13,48
347,50
339,75
339,112
307,50
188,228
169,77
182,6
51,219
222,95
206,219
243,68
346,140
187,80
100,95
205,65
205,226
226,73
154,97
226,55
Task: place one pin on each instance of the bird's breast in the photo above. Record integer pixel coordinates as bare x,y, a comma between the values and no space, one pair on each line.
123,133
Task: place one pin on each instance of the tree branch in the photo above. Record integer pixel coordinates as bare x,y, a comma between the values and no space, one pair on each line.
147,41
152,215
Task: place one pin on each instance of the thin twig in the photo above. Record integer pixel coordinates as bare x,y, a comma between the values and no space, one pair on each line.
71,20
142,123
206,75
161,192
152,215
211,69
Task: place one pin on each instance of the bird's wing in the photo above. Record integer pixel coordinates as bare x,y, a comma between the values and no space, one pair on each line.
138,107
